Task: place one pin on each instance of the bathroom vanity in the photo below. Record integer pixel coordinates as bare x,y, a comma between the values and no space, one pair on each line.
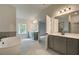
67,44
63,32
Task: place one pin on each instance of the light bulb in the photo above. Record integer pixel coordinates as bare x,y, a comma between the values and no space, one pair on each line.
62,10
67,9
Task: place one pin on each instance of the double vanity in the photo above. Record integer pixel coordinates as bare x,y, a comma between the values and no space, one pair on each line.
67,44
63,32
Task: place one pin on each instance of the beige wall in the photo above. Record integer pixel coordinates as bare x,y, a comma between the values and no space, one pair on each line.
7,18
29,25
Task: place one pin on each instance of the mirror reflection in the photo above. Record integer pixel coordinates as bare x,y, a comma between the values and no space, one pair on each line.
68,23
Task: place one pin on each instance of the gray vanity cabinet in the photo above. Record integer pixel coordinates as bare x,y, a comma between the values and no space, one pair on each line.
64,45
72,46
56,43
50,41
60,44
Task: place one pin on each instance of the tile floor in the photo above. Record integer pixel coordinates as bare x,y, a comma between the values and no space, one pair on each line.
31,47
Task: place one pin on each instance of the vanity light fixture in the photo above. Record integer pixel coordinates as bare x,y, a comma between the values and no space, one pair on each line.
64,10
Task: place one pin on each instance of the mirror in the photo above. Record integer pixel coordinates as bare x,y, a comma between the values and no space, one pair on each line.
68,23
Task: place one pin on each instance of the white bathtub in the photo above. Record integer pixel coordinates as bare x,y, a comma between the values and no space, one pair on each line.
11,46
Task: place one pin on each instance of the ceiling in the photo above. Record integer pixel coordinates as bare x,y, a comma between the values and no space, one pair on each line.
29,11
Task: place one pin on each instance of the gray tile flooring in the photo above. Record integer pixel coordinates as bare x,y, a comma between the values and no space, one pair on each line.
31,47
42,41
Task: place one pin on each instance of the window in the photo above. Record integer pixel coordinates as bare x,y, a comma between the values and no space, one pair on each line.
22,28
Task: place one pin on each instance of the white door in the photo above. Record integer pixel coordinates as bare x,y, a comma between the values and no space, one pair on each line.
48,24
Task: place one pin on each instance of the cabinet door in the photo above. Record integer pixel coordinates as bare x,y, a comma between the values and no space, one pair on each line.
60,44
72,46
50,41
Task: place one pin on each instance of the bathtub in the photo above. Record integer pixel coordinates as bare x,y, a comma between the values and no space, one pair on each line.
10,46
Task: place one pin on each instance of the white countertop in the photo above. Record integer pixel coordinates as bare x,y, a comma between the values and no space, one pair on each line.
69,35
